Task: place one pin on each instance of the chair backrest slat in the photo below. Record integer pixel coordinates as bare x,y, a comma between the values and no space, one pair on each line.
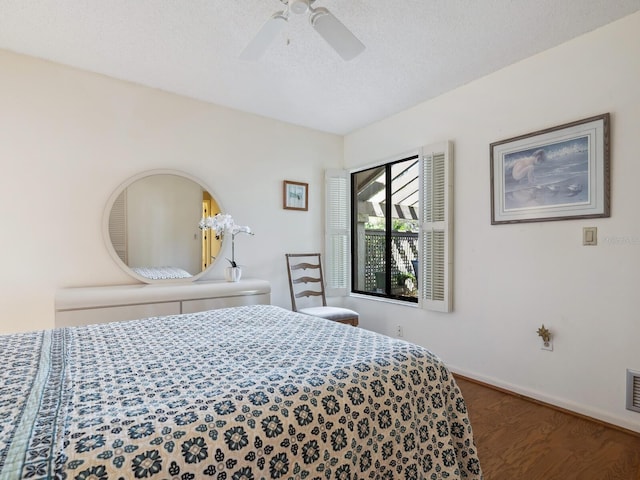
308,293
306,280
304,266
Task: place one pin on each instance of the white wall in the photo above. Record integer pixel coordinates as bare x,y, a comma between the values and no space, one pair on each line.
510,279
68,139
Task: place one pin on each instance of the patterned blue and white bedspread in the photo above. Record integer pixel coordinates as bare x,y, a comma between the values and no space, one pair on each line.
241,393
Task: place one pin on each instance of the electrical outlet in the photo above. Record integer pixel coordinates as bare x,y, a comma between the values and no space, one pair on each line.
399,331
546,345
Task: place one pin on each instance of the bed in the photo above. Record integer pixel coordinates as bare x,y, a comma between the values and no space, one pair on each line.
238,393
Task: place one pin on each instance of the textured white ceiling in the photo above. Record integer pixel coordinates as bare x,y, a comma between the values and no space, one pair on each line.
416,49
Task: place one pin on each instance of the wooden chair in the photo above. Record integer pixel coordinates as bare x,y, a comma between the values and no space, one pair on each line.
306,280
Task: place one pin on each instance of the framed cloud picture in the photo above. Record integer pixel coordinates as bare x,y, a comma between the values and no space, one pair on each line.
295,195
554,174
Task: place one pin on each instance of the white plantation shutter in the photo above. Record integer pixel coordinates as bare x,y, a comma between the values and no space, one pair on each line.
436,228
336,259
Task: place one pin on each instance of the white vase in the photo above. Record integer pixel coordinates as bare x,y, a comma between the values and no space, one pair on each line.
232,274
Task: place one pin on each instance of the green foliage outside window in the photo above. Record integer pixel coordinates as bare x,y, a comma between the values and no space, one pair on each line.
398,225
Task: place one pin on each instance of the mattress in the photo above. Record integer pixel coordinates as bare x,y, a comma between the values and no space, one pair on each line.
239,393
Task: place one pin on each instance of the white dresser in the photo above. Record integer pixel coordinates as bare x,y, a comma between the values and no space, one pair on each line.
88,305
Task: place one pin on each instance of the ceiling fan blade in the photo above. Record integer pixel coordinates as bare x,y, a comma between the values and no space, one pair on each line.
265,37
336,34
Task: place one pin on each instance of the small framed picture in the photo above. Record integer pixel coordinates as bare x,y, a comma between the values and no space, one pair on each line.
295,195
555,174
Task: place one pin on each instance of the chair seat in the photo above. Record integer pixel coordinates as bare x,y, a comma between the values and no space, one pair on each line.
336,314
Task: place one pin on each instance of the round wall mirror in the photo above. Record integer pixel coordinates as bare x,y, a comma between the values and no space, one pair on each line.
151,227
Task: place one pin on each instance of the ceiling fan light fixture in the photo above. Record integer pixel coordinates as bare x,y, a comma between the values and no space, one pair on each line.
299,6
336,34
322,20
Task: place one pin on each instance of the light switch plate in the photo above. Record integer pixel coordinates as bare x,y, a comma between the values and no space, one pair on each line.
590,236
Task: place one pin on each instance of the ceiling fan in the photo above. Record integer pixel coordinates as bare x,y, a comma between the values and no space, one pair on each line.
322,20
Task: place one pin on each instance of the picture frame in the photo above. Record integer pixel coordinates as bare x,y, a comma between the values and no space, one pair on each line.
559,173
295,195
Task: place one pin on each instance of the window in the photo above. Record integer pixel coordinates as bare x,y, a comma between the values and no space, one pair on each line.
385,203
400,227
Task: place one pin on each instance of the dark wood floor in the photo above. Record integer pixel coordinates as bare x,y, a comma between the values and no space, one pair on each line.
521,440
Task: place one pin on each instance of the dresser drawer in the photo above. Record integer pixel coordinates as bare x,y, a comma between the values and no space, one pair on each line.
73,318
191,306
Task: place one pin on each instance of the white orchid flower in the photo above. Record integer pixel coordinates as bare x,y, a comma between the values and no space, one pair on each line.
239,229
222,224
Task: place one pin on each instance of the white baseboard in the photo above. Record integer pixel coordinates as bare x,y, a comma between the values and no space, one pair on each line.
558,402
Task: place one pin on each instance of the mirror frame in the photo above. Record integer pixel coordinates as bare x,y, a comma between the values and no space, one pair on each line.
107,238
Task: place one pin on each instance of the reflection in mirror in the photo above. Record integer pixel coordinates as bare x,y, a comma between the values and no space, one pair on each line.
153,227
